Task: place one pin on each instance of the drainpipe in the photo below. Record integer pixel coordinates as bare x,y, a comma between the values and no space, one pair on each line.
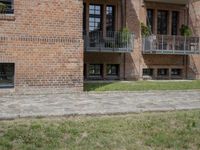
123,23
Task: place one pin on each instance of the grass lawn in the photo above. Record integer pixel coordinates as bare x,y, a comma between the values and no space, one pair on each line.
143,86
169,130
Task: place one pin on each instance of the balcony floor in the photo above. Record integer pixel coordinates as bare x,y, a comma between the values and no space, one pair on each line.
170,52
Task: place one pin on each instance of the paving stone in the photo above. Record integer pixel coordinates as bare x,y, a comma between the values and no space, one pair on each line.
96,103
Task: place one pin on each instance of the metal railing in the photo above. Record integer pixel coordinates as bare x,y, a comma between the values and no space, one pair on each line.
115,41
164,44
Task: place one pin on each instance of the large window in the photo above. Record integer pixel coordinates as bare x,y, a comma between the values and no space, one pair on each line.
6,74
6,7
176,72
163,72
150,19
95,18
112,70
175,22
95,70
147,72
162,22
110,18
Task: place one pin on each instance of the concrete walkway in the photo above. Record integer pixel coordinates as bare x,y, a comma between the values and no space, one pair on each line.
96,103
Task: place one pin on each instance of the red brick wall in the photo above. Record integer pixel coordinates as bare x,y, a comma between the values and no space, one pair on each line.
194,22
136,13
51,54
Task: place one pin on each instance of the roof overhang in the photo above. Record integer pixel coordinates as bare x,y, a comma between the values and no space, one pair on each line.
180,2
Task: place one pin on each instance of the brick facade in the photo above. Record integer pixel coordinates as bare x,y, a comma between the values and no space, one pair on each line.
44,40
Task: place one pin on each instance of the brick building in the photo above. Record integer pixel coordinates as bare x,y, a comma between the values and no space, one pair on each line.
57,44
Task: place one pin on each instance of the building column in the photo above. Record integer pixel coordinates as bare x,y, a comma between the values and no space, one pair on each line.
170,73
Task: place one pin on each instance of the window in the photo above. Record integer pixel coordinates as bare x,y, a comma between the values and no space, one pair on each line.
110,18
6,74
6,7
162,22
175,22
163,72
95,18
150,19
113,70
95,70
176,72
147,72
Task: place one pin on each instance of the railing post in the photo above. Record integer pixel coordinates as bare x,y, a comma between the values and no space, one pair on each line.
174,42
132,42
143,43
162,43
185,45
199,45
99,40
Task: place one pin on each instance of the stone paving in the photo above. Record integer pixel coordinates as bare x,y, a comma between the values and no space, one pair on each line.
13,106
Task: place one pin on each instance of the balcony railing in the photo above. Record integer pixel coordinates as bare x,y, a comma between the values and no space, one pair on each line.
116,41
164,44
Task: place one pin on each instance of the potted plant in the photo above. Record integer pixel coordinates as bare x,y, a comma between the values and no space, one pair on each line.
123,38
145,30
185,30
2,7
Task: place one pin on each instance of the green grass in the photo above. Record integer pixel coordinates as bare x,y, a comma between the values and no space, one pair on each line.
169,130
143,86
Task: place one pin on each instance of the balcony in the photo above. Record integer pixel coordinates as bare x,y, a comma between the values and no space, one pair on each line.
116,41
181,2
177,45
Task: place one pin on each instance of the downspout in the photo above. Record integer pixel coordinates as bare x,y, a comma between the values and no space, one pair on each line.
123,21
188,22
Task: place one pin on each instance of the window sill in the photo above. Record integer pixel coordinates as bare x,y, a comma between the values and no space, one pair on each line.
8,17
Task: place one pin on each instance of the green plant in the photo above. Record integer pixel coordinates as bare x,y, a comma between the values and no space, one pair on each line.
123,37
185,30
2,7
145,30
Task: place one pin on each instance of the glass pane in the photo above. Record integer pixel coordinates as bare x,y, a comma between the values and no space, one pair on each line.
6,74
110,18
95,18
175,22
162,22
113,70
150,18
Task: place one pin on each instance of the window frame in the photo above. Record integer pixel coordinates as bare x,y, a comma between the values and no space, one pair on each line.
110,19
100,74
162,18
95,17
163,75
176,75
150,72
10,9
116,72
4,74
150,20
175,25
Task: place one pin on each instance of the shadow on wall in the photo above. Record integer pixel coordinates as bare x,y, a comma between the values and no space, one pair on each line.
194,22
193,71
194,18
133,23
